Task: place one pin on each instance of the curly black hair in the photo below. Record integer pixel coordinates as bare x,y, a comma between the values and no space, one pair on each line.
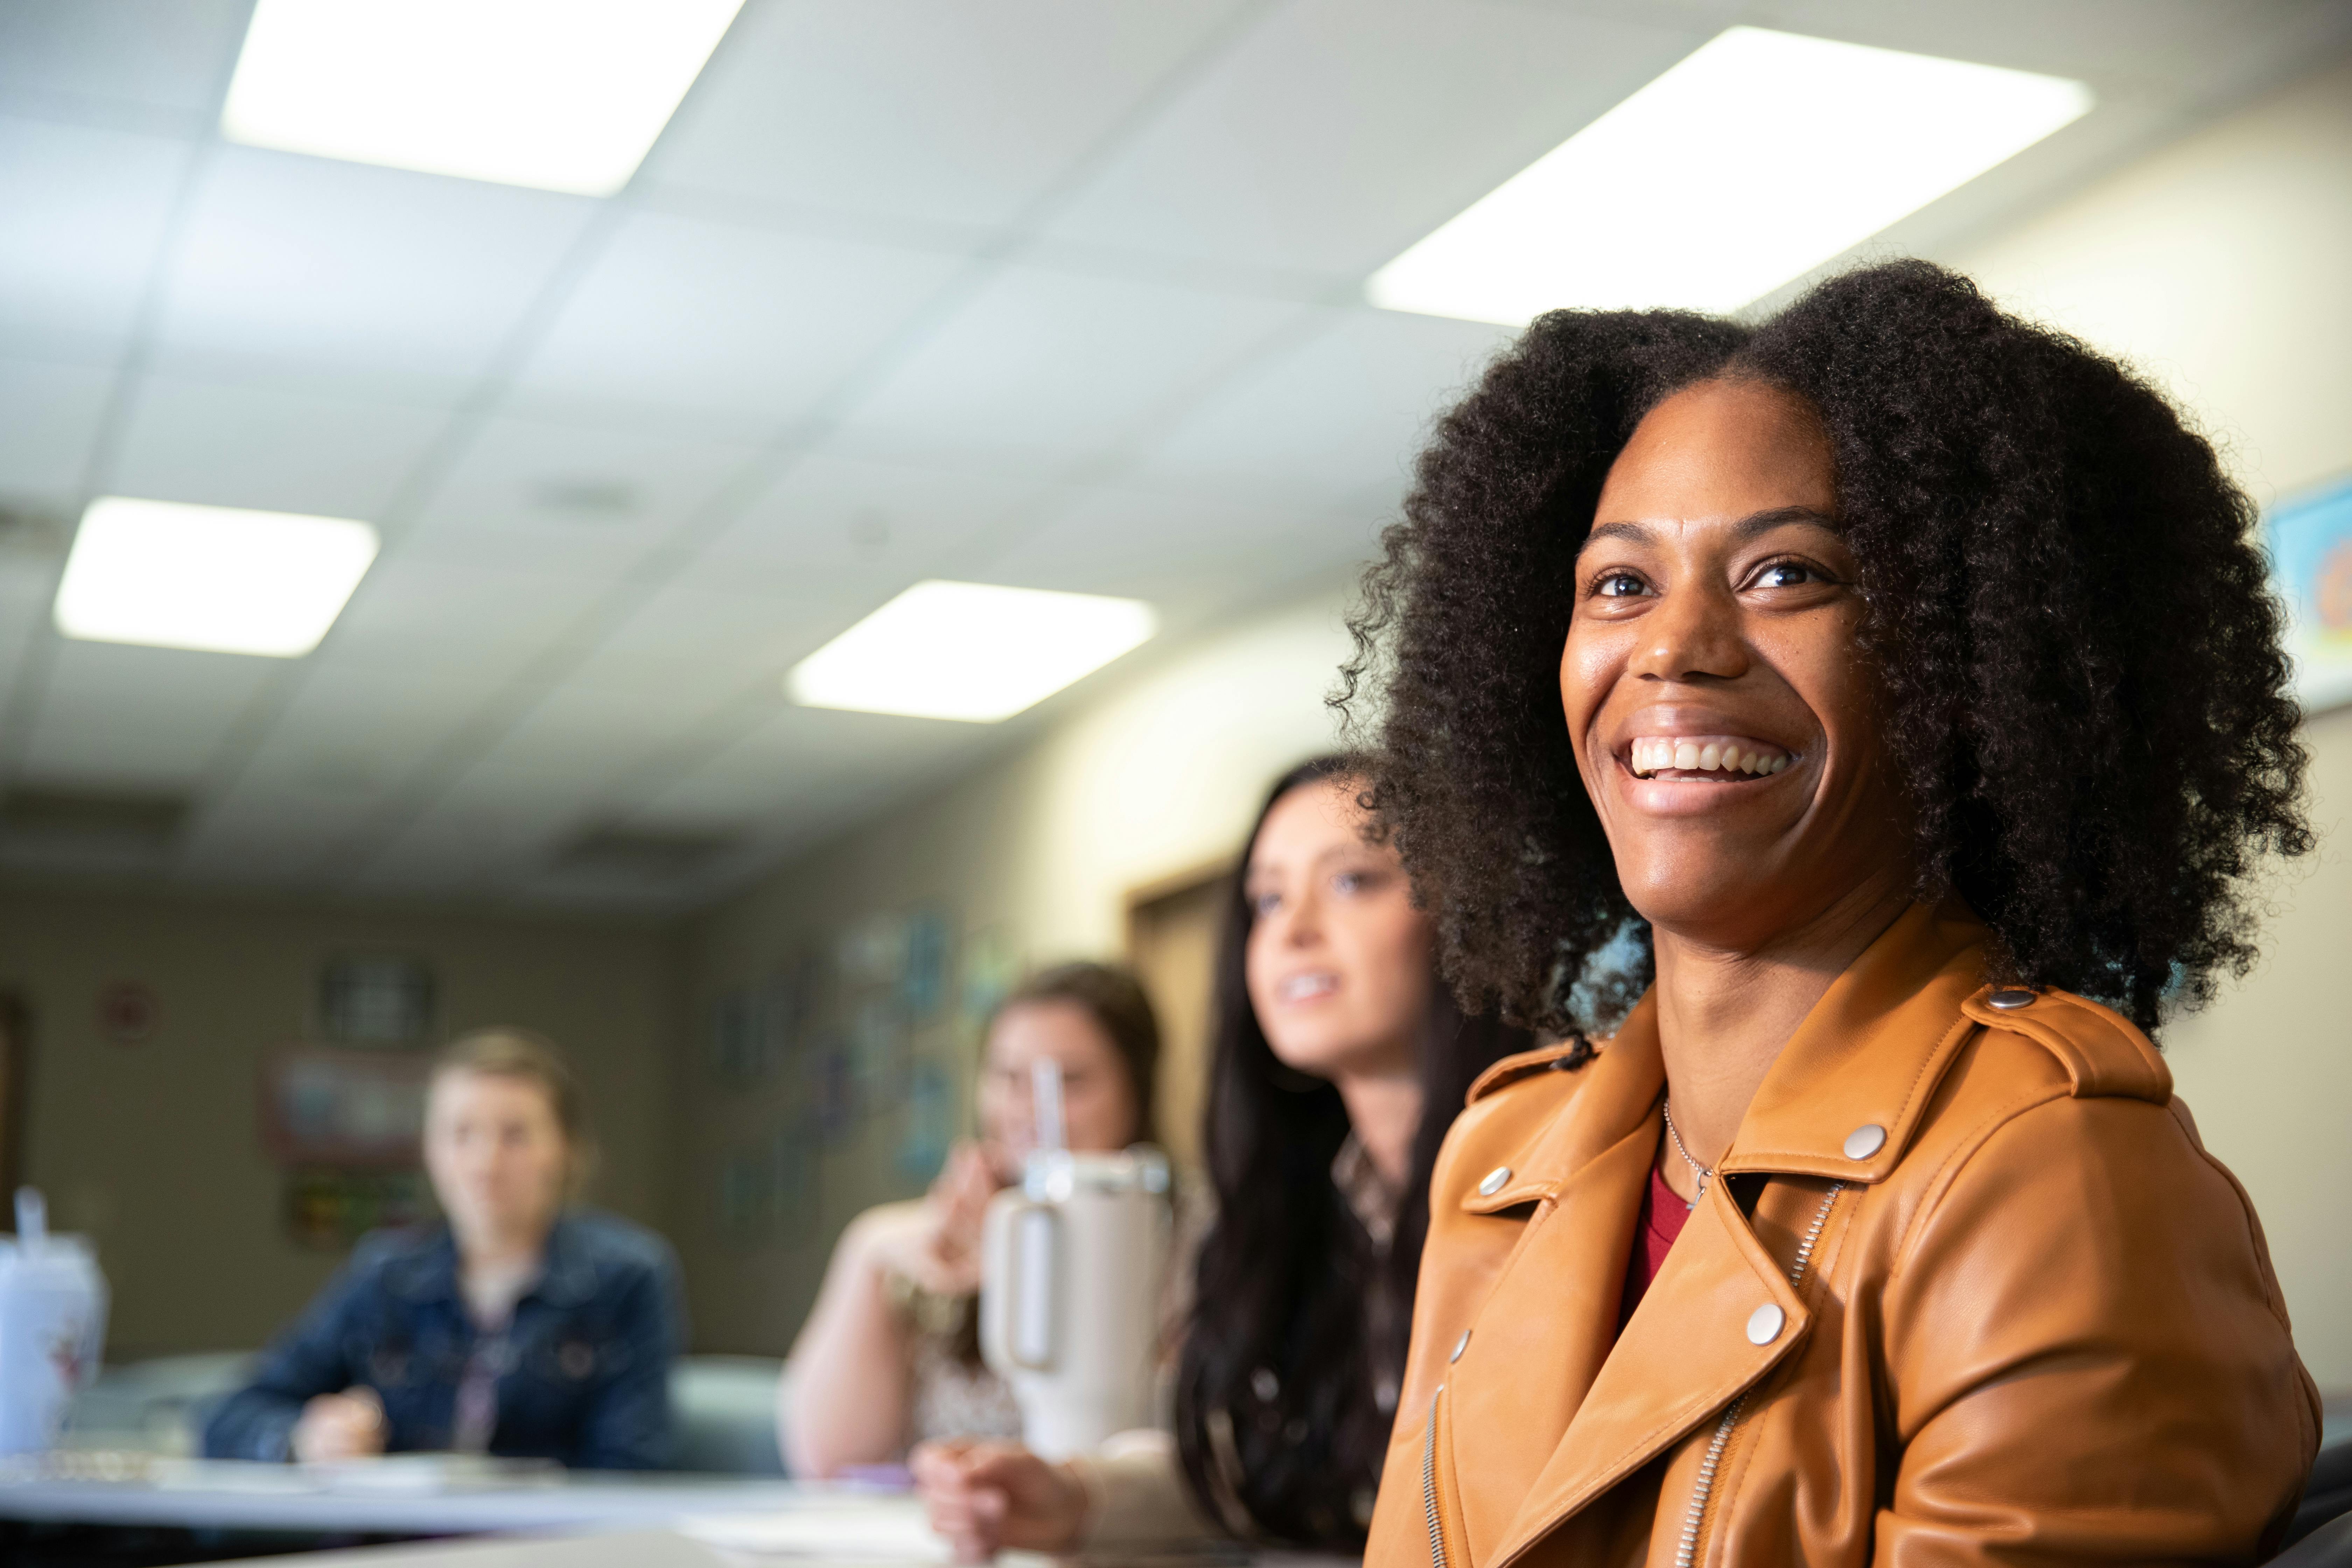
2085,696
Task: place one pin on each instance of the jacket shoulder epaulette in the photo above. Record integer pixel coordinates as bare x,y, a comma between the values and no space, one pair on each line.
1526,1064
2104,1055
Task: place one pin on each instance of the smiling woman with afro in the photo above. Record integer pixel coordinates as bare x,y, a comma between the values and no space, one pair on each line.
1875,716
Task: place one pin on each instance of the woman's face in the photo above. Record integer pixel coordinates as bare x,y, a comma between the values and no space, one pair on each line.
1338,961
497,1156
1097,1100
1724,719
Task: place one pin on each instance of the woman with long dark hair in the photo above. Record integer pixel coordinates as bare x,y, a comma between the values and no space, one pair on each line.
1338,1063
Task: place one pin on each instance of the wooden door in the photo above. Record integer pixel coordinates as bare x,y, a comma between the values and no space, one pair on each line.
1172,930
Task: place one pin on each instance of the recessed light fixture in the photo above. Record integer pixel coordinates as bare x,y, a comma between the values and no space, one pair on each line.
1759,156
164,575
564,95
969,651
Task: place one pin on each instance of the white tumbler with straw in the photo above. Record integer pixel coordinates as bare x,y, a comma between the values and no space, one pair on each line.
52,1326
1071,1267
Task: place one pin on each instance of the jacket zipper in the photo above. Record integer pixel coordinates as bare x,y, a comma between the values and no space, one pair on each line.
1429,1484
1687,1550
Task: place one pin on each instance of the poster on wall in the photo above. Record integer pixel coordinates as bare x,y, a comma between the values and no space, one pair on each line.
375,999
923,966
326,1210
768,1189
931,1122
2311,565
739,1053
991,968
348,1108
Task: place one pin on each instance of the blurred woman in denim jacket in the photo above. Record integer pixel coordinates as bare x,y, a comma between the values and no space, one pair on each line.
521,1326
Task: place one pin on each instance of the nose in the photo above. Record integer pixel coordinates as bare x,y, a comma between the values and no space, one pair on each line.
1302,919
1693,635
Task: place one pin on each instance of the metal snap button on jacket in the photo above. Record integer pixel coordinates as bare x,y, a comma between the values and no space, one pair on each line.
1865,1140
1765,1323
1459,1346
2010,996
1493,1182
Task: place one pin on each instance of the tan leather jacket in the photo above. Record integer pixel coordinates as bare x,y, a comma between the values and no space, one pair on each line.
1971,1291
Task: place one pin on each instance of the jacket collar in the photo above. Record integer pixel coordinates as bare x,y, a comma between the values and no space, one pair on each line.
1869,1055
427,1270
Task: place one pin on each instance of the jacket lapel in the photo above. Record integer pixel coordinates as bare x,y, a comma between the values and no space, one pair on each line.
1547,1326
1685,1356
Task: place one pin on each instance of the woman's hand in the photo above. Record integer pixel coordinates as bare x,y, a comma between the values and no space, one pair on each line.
984,1497
346,1426
937,1246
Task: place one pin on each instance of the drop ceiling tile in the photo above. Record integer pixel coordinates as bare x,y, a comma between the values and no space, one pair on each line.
959,112
695,635
852,527
162,54
86,214
458,850
1334,425
585,730
748,325
2109,40
556,498
26,586
1185,555
487,622
268,836
1339,131
114,713
230,444
357,725
1044,367
806,772
50,417
314,260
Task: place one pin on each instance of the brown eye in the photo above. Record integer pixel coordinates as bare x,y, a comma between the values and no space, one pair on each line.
1788,575
1618,585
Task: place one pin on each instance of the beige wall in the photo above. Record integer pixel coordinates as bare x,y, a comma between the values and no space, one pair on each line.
154,1149
2222,266
1034,856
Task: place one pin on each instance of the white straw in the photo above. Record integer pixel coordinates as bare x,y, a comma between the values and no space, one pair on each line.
1045,1088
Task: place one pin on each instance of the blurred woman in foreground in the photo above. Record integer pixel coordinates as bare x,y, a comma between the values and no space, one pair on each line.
1339,1062
523,1326
890,1354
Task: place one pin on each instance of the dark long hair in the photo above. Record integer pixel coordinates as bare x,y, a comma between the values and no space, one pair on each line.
1276,1408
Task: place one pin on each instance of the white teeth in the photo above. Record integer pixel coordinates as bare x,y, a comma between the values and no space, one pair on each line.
1650,754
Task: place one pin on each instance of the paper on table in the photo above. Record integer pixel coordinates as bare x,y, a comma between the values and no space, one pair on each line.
864,1532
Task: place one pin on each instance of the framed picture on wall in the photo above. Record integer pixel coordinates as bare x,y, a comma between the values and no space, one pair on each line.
2311,564
343,1109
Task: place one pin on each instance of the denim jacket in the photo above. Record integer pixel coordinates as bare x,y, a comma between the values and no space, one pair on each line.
586,1376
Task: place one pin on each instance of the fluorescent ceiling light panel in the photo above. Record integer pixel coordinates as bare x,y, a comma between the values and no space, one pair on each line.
1754,160
163,575
969,651
565,95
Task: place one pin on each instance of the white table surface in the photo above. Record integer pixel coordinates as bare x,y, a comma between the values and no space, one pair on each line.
231,1495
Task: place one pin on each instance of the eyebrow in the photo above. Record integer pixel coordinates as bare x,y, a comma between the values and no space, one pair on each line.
1746,528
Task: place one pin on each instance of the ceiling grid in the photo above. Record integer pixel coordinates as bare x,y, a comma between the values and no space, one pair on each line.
1030,291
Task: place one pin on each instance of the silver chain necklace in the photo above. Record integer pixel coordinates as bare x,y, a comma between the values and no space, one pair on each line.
1704,1174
